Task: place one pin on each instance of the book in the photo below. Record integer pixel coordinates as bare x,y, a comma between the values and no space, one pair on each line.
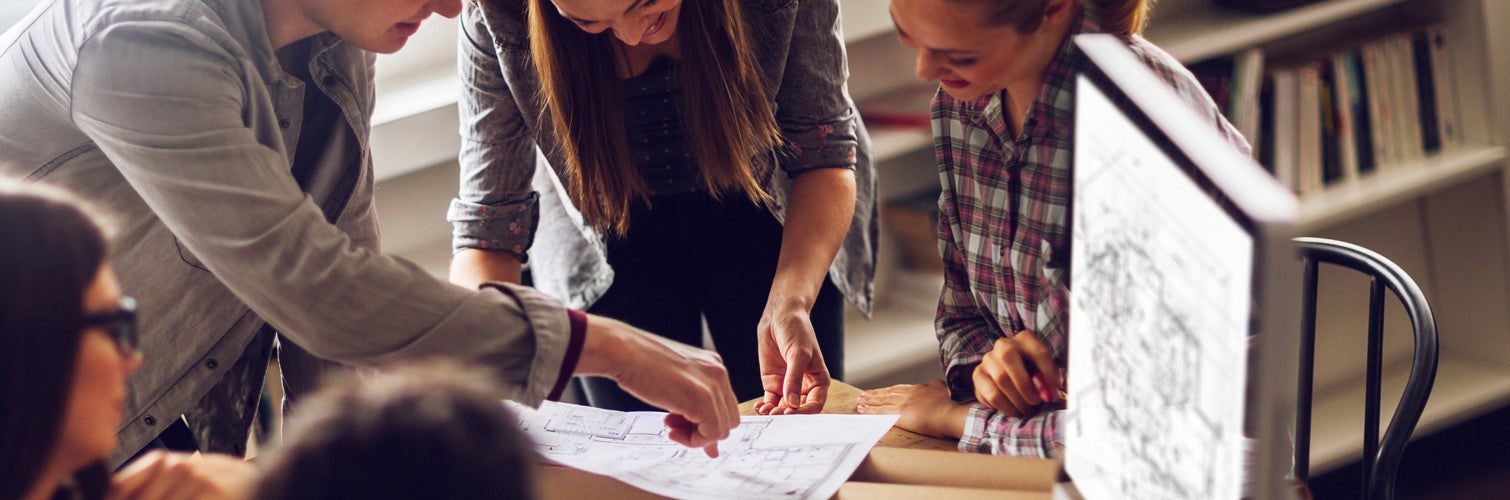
1431,130
1286,119
1331,128
1380,109
1247,84
1346,122
1444,82
1408,118
1308,130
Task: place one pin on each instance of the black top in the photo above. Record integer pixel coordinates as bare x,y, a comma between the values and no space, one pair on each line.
653,125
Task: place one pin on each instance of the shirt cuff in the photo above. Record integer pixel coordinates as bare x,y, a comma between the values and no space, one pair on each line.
578,320
508,227
974,437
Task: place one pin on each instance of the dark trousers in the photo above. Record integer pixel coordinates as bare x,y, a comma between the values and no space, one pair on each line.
690,259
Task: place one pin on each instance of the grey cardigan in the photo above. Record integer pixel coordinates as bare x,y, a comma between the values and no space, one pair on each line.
175,118
507,203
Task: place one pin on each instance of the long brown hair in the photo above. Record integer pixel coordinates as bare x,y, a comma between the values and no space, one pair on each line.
1123,18
726,112
52,250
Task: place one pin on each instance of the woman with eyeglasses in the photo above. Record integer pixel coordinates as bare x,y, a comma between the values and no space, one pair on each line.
69,339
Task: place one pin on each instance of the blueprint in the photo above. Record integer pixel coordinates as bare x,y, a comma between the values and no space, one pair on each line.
1162,287
790,456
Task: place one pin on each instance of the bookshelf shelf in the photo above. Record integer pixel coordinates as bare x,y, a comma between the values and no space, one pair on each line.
1339,203
1464,387
1192,31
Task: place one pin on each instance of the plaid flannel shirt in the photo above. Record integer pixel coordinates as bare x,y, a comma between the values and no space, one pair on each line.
1004,231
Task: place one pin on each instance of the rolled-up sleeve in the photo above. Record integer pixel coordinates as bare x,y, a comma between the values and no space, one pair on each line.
166,103
812,107
496,207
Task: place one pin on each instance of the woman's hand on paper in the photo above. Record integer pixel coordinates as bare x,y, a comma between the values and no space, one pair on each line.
792,370
925,408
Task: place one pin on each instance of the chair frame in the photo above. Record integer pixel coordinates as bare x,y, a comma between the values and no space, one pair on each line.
1381,458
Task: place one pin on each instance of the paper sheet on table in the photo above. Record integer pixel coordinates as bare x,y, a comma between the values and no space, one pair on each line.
789,456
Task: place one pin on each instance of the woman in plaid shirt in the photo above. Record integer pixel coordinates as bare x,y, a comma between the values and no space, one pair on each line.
1002,125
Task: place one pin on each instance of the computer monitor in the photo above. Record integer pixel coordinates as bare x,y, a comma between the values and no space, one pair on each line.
1181,260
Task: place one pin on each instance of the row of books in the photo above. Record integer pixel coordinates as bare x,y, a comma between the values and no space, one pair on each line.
1382,105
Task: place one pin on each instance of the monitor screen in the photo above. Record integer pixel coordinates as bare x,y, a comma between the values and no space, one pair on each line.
1173,243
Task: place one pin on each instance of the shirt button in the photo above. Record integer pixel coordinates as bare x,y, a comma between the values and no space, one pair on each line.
149,420
283,122
212,364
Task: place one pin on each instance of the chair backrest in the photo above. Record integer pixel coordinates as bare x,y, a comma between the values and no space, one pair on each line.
1381,458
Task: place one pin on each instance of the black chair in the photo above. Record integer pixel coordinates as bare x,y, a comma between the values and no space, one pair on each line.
1381,458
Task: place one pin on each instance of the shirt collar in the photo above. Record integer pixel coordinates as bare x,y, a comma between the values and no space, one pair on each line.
245,21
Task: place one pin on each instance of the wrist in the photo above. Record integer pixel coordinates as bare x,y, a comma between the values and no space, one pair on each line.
602,348
951,421
786,300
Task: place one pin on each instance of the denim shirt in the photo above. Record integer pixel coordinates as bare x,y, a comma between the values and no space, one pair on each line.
175,118
507,203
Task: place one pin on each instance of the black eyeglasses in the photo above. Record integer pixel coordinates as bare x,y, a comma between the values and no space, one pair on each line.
121,324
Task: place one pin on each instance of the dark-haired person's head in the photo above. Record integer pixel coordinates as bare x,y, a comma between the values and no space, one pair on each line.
68,342
431,430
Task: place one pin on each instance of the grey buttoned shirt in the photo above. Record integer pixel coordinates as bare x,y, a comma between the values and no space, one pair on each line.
175,118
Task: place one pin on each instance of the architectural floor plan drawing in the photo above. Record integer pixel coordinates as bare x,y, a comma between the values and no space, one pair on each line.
1160,310
792,456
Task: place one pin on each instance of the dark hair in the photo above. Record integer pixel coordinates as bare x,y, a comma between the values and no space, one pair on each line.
726,109
432,430
1123,18
51,251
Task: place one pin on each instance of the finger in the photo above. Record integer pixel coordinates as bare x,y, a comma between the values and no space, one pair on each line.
725,411
990,394
791,385
681,430
772,396
711,450
1004,381
1043,361
817,395
1013,377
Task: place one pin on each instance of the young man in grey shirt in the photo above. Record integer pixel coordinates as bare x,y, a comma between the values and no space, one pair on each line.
229,141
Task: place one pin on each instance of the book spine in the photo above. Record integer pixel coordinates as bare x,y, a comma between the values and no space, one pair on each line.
1331,129
1346,122
1445,84
1426,95
1363,122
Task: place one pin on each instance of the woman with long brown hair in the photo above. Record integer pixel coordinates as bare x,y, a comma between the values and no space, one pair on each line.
1003,124
70,341
705,165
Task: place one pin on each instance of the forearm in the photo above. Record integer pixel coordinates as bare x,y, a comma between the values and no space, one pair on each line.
818,215
471,267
